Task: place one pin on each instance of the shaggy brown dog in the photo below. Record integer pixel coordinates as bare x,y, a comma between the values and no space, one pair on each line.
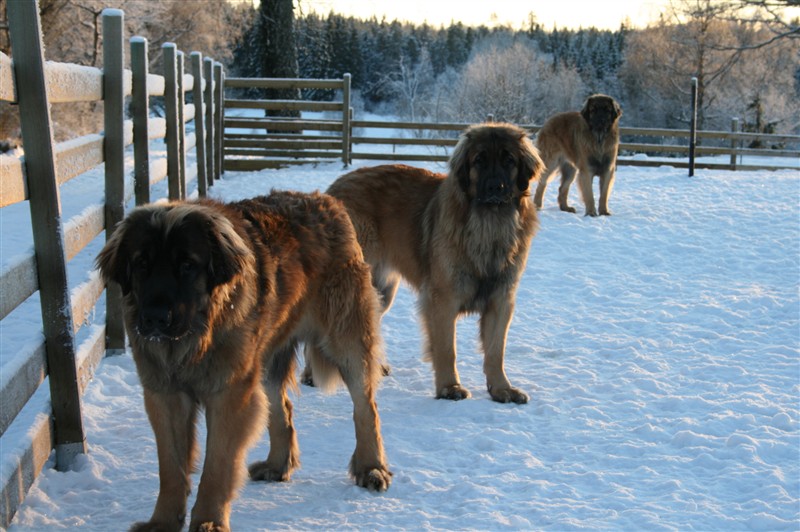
586,143
461,240
216,297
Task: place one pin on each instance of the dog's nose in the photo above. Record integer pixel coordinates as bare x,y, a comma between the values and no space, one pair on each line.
496,188
155,319
495,191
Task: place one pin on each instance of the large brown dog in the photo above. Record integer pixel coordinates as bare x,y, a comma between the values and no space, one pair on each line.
460,239
216,297
586,143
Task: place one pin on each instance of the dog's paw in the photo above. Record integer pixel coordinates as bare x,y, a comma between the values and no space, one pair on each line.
567,208
209,527
386,370
377,479
605,212
454,392
157,526
264,471
508,395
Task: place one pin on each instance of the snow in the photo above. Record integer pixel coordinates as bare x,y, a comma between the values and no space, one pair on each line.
660,347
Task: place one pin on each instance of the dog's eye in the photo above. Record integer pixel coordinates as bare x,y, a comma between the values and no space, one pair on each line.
188,267
141,263
509,160
479,159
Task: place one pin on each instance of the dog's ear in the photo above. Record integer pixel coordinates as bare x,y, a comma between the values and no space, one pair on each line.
586,110
114,260
617,108
230,254
530,165
459,162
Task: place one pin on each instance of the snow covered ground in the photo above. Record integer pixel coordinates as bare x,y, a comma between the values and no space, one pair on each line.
660,348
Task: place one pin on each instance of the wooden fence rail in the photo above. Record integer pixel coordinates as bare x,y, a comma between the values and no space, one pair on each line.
379,140
256,142
33,84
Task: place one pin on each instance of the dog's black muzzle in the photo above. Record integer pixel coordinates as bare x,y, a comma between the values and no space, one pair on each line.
495,191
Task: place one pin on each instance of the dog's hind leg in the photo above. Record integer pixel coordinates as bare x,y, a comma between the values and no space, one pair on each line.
567,177
387,285
368,464
541,187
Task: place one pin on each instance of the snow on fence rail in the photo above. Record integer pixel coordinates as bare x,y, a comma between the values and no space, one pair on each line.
33,84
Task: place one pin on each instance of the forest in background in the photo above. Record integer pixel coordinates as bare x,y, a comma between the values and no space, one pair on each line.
745,54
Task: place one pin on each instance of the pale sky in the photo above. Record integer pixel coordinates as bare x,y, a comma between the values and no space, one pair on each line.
604,14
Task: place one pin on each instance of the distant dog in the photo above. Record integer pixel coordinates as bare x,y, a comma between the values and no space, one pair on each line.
586,143
216,298
460,239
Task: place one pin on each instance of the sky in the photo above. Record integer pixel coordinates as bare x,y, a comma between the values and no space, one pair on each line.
608,14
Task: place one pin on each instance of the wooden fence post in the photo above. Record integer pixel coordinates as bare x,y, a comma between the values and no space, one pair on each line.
346,119
181,123
219,103
114,157
140,110
48,231
693,128
734,142
211,126
170,54
199,123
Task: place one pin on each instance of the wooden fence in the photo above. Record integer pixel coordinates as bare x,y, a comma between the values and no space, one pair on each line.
258,142
33,84
247,148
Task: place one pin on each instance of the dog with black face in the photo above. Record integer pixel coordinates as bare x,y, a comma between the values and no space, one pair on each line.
583,143
217,297
461,240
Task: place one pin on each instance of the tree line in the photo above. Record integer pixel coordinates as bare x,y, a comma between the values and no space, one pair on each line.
745,54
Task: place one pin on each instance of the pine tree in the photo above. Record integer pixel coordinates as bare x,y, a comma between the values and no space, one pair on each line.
279,59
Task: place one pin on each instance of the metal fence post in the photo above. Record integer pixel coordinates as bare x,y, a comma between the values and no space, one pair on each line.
48,231
693,128
734,141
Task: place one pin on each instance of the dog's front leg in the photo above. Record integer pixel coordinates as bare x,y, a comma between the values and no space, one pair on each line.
585,182
495,321
439,318
172,416
606,185
235,418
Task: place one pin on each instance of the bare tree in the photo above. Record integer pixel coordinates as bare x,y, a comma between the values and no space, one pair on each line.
703,39
768,14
